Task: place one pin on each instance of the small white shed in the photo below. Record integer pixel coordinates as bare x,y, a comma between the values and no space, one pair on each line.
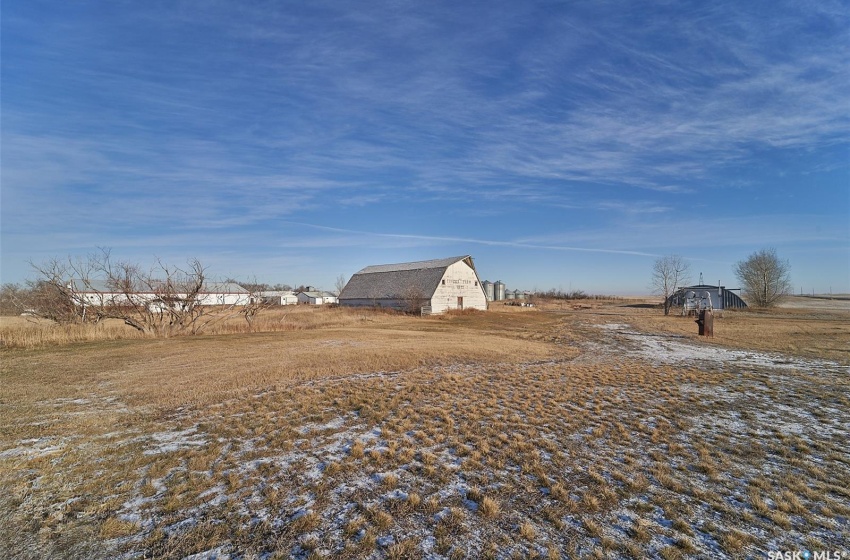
316,298
286,297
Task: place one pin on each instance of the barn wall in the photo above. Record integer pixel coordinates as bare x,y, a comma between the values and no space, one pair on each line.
223,299
110,298
400,304
459,280
278,298
96,299
304,298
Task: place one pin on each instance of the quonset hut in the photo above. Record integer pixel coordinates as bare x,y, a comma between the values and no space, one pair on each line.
721,297
423,287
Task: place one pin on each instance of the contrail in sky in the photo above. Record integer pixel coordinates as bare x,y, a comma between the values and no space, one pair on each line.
476,241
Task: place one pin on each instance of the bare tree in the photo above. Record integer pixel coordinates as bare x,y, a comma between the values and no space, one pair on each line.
52,294
669,273
766,278
13,299
414,299
340,283
252,285
162,301
255,303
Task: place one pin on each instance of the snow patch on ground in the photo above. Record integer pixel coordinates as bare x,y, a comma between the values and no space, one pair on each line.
166,442
334,424
662,349
35,447
218,553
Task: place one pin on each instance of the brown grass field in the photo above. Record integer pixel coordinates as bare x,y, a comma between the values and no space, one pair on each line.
609,431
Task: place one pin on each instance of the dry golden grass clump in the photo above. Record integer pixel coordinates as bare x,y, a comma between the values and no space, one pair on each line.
489,507
499,434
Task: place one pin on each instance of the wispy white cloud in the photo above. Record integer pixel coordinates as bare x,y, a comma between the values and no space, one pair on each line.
621,117
665,124
464,240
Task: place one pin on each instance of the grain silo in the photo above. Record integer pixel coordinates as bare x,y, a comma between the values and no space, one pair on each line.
488,289
498,290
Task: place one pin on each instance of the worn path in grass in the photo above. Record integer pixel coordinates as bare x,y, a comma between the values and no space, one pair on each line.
606,432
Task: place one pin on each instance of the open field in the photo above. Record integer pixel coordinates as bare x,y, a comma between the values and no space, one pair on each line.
609,431
837,302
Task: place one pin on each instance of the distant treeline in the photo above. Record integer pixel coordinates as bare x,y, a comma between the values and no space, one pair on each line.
573,294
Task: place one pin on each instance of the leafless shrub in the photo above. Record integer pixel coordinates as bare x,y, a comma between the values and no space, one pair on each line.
163,301
14,299
766,279
669,273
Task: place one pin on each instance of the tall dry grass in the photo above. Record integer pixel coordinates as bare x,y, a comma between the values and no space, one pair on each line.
20,332
30,333
24,332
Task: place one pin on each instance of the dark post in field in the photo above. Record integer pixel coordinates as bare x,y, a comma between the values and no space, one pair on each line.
705,321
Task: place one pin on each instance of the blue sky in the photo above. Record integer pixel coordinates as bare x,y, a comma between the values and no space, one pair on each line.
562,145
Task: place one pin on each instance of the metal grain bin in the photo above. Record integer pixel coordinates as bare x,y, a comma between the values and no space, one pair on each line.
488,289
498,290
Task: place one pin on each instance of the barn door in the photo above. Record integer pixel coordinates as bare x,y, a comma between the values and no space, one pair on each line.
459,302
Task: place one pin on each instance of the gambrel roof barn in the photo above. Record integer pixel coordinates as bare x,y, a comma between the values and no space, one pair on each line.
428,286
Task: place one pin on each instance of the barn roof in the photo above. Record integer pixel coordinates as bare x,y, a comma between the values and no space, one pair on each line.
418,265
399,281
317,294
223,288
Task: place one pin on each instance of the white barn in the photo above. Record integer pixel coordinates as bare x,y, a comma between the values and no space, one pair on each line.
100,294
285,297
224,293
432,286
313,297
